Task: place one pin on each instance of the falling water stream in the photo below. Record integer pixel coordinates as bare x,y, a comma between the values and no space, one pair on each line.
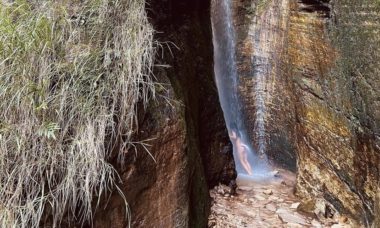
227,80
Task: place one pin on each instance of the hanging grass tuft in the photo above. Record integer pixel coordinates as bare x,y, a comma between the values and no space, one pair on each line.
71,74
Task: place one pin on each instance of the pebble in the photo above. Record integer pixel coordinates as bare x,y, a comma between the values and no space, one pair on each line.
316,224
320,207
289,217
294,205
343,219
220,191
260,197
268,192
212,223
244,188
339,225
271,207
294,225
275,173
273,198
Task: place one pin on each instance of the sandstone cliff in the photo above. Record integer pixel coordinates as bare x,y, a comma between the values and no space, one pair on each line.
320,91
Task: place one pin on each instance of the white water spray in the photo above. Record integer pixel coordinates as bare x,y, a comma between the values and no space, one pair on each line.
248,161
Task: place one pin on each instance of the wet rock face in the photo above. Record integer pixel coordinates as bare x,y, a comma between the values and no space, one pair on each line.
320,65
184,126
261,28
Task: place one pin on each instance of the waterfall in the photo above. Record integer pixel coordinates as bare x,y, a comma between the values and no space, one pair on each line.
247,160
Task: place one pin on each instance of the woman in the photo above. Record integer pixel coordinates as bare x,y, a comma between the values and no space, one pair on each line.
242,151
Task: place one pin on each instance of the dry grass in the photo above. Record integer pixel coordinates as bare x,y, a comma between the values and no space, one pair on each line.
72,73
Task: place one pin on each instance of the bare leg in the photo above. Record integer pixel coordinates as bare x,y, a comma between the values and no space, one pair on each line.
244,161
247,166
242,153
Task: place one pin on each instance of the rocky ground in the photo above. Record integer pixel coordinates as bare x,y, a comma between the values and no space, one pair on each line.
269,204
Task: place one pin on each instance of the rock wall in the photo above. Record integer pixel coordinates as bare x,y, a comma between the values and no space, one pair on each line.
338,123
184,128
320,65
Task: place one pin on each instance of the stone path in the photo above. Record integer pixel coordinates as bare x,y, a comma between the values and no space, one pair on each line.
265,204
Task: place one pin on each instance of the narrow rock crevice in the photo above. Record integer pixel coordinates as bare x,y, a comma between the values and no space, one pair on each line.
186,125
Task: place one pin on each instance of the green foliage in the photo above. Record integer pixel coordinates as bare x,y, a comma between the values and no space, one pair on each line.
72,73
48,130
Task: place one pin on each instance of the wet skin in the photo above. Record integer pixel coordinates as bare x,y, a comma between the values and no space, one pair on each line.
241,149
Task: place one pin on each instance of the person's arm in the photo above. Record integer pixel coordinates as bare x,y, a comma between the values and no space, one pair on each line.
245,147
